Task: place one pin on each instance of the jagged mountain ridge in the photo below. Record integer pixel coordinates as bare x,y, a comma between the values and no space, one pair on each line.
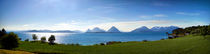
155,29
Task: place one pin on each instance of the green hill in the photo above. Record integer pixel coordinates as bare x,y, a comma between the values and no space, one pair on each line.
183,45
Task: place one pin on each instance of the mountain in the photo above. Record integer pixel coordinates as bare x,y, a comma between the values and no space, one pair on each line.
95,30
38,31
155,29
88,31
164,29
61,31
142,29
113,29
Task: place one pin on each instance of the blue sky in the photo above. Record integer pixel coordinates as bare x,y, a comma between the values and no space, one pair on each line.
126,15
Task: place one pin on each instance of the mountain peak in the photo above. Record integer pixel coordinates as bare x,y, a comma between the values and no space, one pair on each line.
113,29
142,29
96,29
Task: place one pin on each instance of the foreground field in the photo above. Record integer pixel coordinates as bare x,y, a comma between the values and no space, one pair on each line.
2,51
182,45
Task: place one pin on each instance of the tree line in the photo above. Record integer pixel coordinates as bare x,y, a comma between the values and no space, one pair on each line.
193,30
10,40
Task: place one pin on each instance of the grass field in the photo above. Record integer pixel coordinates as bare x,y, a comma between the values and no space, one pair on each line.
183,45
2,51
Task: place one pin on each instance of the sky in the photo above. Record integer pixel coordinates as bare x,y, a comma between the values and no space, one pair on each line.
126,15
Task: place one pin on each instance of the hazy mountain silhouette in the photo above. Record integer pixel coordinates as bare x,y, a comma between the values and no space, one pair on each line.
95,30
155,29
61,31
113,29
142,29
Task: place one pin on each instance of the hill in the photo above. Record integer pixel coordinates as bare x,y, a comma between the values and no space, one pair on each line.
183,45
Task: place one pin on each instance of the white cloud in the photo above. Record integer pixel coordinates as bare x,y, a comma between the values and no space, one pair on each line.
152,16
25,25
62,24
160,4
160,15
190,14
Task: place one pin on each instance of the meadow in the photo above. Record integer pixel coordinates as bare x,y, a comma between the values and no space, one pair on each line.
190,44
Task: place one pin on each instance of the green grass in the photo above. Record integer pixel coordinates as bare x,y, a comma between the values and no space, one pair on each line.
183,45
2,51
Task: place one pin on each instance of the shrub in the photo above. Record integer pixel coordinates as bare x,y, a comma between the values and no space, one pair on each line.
51,40
144,40
43,39
102,44
112,42
9,41
77,44
26,40
34,37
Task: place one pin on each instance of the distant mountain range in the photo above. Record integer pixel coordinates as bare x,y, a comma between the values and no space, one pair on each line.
58,31
96,30
142,29
155,29
113,29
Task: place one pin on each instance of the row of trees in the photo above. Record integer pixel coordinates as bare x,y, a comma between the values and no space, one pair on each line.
194,30
8,41
11,40
43,39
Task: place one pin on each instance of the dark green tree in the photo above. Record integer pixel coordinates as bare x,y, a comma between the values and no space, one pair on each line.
26,40
51,40
9,41
34,37
3,32
43,39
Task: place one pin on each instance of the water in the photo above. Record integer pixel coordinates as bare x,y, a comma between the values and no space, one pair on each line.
94,38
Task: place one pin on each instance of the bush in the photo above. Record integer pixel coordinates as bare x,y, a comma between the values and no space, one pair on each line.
51,40
112,42
43,39
34,37
144,40
9,41
26,40
102,44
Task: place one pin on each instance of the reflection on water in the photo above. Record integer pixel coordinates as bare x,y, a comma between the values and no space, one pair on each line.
94,38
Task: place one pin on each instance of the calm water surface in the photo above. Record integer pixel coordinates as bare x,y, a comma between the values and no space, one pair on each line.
94,38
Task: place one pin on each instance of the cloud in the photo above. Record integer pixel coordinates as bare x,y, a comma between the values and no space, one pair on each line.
152,16
103,9
190,14
160,15
160,4
62,24
25,25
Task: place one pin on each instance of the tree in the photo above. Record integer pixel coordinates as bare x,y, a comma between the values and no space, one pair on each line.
3,32
51,40
179,32
9,41
43,39
34,37
26,40
204,31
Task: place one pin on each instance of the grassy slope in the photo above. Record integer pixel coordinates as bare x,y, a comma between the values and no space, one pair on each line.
182,45
2,51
